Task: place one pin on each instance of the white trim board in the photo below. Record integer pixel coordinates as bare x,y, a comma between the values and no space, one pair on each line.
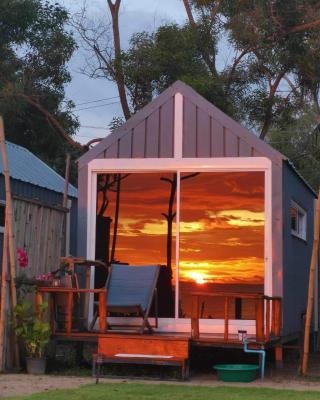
226,164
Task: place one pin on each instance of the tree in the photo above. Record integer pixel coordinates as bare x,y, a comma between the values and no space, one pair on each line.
299,140
273,75
35,47
276,67
275,70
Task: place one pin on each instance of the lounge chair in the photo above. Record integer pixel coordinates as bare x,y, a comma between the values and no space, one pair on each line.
130,292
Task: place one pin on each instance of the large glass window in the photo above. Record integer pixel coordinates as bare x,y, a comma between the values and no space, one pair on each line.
221,234
136,225
221,239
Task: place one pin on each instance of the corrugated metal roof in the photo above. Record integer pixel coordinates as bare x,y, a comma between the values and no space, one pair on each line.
26,167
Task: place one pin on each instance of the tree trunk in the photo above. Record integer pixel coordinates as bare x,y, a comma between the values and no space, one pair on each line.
116,219
3,297
9,223
189,12
119,76
313,265
66,181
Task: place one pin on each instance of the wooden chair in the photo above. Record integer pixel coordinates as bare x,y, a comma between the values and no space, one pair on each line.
130,291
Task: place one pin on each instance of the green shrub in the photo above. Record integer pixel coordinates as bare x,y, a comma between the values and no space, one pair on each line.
33,332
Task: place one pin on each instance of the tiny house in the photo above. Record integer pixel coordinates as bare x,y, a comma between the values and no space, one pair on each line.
182,185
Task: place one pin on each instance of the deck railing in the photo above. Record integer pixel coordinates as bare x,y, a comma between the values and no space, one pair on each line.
70,293
268,314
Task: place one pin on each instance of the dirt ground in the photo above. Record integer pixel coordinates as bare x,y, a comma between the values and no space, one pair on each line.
22,384
283,378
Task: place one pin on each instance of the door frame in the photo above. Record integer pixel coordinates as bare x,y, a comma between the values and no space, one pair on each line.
179,165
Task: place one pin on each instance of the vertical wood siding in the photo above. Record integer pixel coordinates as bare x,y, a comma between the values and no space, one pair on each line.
204,136
151,138
40,230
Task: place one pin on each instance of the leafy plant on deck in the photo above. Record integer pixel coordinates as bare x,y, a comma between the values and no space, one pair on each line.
33,332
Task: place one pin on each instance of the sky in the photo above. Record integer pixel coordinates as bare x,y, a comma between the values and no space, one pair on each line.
221,225
135,16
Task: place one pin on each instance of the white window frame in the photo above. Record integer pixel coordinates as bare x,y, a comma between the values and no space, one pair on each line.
301,222
227,164
179,164
2,203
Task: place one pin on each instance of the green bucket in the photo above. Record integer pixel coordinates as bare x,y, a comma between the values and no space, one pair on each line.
236,372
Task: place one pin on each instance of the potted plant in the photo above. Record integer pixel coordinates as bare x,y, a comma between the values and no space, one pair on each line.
34,334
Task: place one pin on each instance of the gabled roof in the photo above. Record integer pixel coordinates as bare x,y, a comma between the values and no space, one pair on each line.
207,132
26,167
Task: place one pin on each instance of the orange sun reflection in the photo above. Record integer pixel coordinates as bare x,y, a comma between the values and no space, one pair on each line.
199,278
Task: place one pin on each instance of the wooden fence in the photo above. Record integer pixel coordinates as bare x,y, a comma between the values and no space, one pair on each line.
40,230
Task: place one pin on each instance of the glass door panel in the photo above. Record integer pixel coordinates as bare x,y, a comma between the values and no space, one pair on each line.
136,225
221,240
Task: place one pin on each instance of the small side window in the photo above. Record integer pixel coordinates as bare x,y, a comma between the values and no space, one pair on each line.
298,218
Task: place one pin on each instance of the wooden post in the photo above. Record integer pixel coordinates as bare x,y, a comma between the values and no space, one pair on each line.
278,351
102,312
69,312
195,317
66,181
9,223
226,318
3,297
312,270
268,328
277,317
260,319
65,204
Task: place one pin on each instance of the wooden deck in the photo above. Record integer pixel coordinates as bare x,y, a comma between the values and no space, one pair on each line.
206,339
267,323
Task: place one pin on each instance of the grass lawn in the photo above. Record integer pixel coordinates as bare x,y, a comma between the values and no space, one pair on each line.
136,391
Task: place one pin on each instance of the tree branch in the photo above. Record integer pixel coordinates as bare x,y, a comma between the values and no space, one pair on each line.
53,121
268,113
304,27
234,66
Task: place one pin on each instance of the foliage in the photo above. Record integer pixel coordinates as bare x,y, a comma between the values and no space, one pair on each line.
271,74
35,47
130,391
115,123
34,333
278,72
155,61
299,140
24,286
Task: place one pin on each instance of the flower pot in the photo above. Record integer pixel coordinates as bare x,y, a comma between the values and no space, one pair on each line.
36,366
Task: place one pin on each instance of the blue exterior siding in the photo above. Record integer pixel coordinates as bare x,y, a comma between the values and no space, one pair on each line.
47,196
296,252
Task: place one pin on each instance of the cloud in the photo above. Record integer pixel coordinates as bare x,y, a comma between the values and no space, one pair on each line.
239,217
